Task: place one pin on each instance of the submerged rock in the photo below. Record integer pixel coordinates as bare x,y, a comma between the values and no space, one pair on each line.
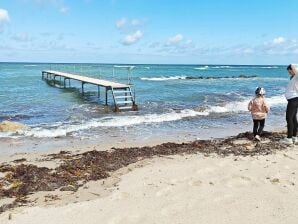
9,126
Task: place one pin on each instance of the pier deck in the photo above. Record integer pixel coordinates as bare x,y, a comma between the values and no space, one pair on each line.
114,87
85,79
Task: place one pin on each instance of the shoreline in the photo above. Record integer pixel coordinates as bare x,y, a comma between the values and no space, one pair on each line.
32,145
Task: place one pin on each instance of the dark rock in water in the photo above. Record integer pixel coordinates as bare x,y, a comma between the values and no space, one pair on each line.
201,108
75,170
16,117
245,76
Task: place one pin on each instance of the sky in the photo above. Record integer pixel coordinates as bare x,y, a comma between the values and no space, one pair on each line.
150,31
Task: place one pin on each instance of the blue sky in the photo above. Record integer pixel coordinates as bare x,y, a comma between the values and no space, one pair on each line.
150,31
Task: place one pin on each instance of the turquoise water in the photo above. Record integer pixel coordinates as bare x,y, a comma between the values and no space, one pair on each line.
168,96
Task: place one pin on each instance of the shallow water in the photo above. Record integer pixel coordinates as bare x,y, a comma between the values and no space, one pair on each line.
181,97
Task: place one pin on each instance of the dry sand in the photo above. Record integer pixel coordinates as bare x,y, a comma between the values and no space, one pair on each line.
180,189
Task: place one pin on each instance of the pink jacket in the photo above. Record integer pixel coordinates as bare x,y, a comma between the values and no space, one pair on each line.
258,108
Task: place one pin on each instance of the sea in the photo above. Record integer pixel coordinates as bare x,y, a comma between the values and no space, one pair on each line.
170,98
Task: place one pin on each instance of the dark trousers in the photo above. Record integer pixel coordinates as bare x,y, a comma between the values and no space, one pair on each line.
291,117
258,126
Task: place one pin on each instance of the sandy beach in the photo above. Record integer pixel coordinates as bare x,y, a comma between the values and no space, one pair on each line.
235,180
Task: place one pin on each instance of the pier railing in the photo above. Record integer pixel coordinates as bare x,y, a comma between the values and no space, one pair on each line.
117,79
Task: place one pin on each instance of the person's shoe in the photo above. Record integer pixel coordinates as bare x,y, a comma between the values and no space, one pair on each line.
287,141
295,140
257,137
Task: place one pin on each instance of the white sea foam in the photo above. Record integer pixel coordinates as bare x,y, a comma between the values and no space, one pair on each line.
5,134
276,100
63,130
222,66
274,78
269,67
241,106
163,78
183,77
202,68
59,129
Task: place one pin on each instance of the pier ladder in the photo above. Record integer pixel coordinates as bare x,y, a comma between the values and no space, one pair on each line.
123,99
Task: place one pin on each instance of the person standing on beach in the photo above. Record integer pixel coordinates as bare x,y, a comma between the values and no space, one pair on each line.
291,95
259,110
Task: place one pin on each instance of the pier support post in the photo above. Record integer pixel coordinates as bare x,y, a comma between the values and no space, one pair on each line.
106,96
83,88
98,89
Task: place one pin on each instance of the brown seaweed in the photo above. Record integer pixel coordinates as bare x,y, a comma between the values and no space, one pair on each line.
77,169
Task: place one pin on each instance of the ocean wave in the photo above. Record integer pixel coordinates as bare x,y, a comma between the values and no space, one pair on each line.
163,78
65,129
234,66
241,106
222,66
30,65
269,67
6,134
274,78
196,77
202,67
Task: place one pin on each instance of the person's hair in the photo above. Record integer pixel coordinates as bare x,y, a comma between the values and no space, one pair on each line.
260,91
289,67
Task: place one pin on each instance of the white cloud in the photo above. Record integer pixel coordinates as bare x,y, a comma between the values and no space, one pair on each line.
21,37
58,4
189,42
130,30
121,23
64,9
132,38
4,16
279,40
248,51
129,25
136,22
175,39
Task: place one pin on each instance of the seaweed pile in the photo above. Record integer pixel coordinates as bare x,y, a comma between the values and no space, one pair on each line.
21,179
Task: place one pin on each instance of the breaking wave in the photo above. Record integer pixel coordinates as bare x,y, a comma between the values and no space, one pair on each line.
241,106
163,78
65,129
202,67
61,129
196,77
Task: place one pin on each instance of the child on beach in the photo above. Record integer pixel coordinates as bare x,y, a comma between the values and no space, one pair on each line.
259,109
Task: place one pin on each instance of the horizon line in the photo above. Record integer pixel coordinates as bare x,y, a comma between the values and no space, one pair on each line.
112,63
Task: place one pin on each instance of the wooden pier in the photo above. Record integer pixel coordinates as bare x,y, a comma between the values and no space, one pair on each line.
122,94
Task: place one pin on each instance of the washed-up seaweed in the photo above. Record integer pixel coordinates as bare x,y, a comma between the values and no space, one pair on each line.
76,169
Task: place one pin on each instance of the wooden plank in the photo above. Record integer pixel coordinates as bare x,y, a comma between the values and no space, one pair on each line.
85,79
